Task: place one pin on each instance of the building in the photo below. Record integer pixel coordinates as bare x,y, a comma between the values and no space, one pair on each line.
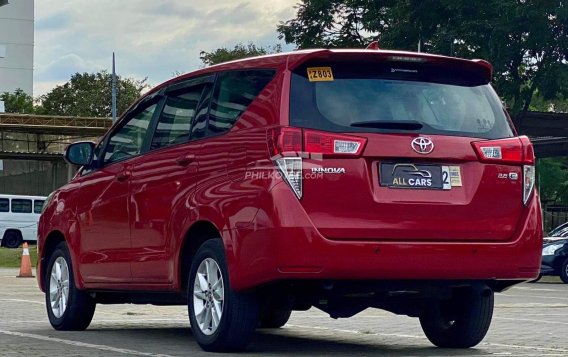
16,45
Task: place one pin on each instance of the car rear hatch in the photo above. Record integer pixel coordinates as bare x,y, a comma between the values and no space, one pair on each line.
403,148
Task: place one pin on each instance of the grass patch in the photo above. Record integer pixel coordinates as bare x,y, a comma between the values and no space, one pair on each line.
12,258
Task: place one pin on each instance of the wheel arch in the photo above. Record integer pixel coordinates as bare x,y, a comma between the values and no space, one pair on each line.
51,241
196,235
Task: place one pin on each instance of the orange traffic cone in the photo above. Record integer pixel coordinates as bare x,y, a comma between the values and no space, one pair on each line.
26,266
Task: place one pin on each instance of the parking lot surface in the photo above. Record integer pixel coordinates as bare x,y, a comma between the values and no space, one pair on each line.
529,320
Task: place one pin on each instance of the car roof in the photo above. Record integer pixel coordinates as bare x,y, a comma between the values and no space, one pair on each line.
293,59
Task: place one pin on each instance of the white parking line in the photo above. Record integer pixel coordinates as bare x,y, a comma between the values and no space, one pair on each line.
531,320
561,351
534,289
20,300
81,344
533,296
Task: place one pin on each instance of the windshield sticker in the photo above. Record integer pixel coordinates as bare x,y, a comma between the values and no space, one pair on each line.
320,74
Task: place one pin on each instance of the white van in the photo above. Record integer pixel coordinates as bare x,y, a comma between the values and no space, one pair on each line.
18,219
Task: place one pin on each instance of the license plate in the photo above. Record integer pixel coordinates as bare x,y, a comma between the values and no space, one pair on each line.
417,176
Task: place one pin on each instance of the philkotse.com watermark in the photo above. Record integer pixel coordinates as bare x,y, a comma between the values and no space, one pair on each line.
275,174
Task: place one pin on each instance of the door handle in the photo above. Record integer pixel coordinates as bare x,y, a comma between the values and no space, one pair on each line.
123,176
185,160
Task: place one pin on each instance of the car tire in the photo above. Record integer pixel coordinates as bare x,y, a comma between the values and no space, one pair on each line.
275,318
461,322
12,239
564,271
222,320
68,308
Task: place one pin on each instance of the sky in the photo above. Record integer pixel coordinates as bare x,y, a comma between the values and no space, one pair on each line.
152,39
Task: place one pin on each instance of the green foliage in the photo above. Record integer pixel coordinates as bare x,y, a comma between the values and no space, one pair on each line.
553,180
18,102
224,54
525,40
12,258
89,95
557,105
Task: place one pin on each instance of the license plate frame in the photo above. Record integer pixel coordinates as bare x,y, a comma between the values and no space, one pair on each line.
412,176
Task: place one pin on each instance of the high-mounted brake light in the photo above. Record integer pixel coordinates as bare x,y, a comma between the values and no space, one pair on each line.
514,151
287,146
407,59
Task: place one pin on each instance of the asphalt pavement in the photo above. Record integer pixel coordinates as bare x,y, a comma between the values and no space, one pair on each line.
529,320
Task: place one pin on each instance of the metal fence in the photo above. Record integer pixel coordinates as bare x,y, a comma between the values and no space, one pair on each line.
554,218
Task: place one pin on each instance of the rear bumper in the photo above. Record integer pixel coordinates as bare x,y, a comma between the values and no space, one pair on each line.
281,243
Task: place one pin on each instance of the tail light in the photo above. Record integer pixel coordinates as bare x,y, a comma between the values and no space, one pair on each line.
513,151
287,146
317,142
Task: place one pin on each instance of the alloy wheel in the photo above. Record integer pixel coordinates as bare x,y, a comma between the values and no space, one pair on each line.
208,296
59,287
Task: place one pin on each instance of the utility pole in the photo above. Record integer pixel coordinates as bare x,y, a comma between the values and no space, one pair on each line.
113,90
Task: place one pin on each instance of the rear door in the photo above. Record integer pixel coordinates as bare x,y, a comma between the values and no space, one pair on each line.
419,175
163,181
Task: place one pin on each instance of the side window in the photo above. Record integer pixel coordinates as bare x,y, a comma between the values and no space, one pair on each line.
175,120
234,92
21,206
128,140
38,205
4,205
199,127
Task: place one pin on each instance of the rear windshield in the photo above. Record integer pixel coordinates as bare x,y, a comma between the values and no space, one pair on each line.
392,97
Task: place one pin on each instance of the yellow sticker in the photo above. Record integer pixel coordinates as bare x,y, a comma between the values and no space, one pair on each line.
455,176
320,74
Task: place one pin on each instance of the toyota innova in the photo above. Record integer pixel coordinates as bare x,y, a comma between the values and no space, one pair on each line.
333,179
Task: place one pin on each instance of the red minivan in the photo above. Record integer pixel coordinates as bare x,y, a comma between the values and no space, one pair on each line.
335,179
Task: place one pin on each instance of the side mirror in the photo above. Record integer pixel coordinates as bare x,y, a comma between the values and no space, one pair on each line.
80,153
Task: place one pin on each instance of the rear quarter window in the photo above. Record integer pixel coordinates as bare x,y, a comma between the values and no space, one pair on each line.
234,92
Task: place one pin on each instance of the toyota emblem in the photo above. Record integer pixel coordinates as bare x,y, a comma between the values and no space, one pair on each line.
422,145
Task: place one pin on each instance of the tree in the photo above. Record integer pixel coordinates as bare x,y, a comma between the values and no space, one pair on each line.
553,180
224,54
89,95
525,40
18,102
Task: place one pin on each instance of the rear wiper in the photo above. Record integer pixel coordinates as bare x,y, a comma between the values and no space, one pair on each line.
389,124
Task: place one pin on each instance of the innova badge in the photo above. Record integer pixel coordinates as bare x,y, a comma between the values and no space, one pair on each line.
422,145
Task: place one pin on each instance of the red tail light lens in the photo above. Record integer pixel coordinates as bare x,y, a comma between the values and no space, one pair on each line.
287,147
287,141
506,151
284,140
316,142
515,151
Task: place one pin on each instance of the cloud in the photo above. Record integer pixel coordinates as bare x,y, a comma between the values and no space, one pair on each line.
151,38
57,21
62,67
